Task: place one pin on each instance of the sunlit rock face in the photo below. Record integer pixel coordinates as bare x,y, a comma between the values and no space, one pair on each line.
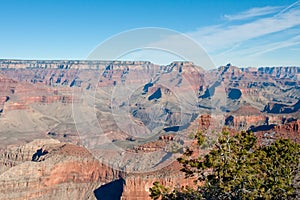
77,125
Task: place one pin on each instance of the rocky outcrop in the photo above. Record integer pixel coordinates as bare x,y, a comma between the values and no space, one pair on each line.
244,122
247,109
167,137
150,146
289,125
288,129
66,171
280,72
138,185
204,121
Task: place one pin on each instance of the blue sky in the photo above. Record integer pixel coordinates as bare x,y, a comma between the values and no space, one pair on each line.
245,33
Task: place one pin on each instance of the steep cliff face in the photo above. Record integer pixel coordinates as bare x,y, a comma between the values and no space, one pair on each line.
38,98
55,81
258,87
137,186
289,125
290,128
280,72
49,169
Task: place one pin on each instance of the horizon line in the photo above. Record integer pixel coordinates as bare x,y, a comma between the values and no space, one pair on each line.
135,61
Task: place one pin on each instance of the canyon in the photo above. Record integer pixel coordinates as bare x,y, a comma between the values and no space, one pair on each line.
82,129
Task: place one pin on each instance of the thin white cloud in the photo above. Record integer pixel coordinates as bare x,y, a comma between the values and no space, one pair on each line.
253,12
225,40
286,9
228,36
259,49
277,45
255,55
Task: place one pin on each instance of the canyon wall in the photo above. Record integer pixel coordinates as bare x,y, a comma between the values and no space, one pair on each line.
43,155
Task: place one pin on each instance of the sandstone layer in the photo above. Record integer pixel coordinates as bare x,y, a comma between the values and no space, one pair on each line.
60,119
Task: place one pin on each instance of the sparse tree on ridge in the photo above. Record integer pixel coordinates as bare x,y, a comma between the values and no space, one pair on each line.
238,168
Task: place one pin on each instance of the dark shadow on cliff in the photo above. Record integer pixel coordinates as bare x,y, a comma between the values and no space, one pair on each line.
110,191
262,128
36,156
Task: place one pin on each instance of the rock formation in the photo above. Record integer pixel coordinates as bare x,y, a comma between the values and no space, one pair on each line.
140,107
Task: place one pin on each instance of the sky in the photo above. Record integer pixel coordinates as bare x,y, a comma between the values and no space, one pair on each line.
245,33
